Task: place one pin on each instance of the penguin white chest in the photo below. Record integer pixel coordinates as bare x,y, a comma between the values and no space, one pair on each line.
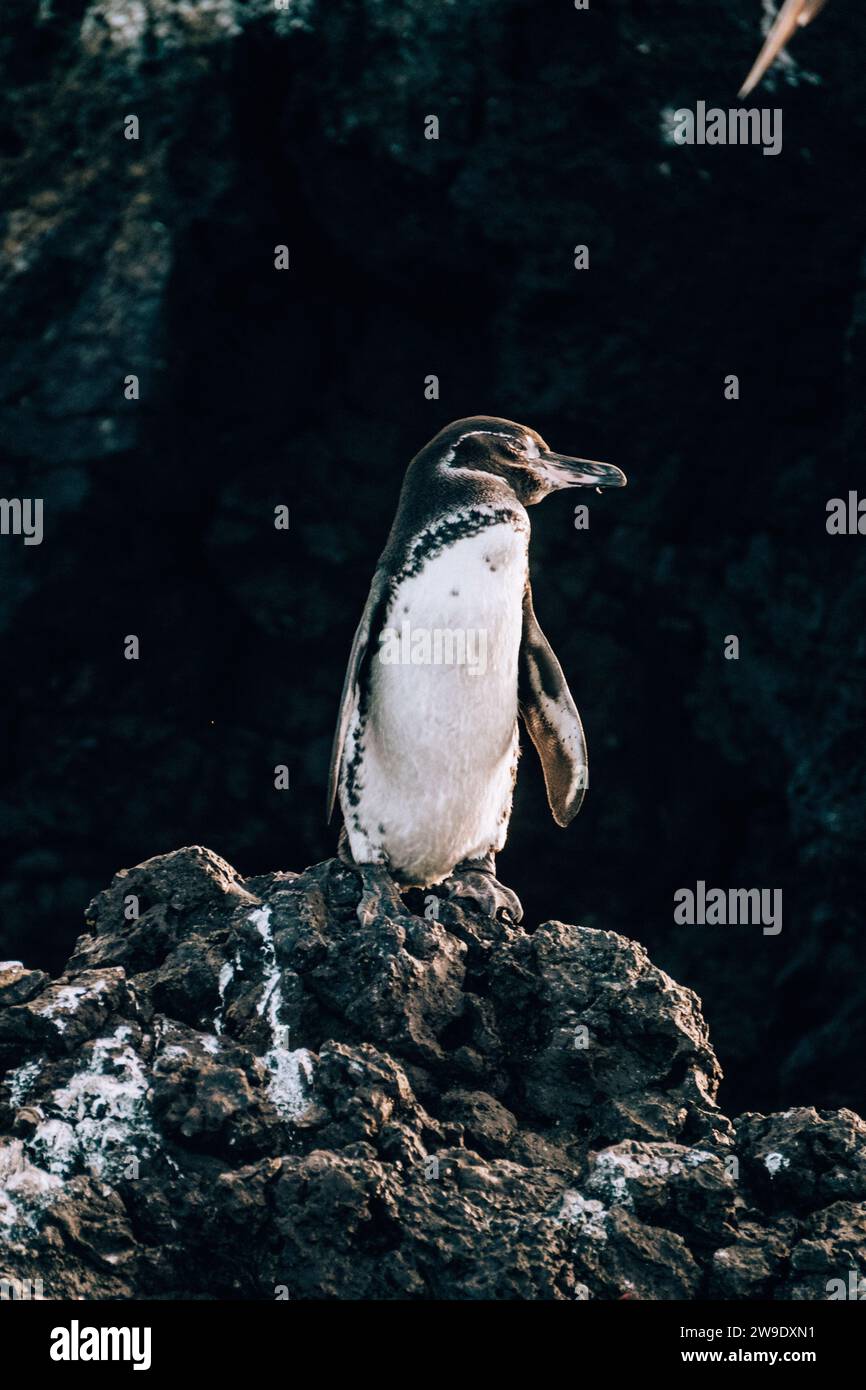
439,741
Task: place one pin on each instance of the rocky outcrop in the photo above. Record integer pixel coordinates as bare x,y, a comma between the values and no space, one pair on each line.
234,1089
303,123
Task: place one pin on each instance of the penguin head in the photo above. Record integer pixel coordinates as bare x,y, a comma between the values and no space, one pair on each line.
483,444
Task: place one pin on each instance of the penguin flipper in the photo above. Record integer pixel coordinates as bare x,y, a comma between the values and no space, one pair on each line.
551,717
366,634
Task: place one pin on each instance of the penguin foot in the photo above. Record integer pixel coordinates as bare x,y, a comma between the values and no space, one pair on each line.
380,896
476,880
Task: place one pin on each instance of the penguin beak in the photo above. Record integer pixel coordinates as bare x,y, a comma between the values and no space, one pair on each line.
558,470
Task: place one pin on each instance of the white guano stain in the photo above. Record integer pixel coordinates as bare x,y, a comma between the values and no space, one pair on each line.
587,1215
60,1003
20,1082
291,1073
25,1190
613,1171
100,1120
228,970
774,1162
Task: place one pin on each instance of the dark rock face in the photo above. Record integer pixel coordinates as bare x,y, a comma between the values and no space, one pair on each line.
234,1089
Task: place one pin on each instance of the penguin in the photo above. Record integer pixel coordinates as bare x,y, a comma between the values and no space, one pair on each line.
447,655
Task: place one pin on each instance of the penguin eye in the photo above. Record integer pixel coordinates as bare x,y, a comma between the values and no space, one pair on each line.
523,452
515,448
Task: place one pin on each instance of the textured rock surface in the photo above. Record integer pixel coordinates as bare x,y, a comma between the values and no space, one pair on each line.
235,1089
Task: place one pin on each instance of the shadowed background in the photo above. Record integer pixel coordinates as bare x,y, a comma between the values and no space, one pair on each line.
411,257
